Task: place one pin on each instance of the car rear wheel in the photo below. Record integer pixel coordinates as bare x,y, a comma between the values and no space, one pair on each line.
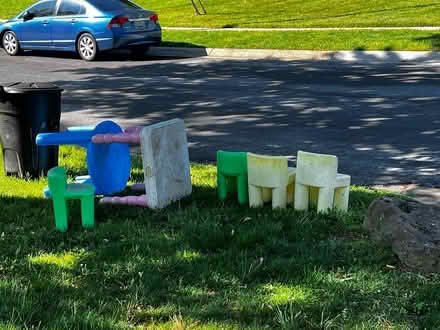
87,47
10,43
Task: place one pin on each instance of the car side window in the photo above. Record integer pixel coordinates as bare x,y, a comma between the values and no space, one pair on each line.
70,7
43,9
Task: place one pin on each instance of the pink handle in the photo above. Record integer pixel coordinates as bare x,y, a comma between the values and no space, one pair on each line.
127,200
131,135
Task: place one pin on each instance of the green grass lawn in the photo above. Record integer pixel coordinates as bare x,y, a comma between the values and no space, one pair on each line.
287,13
307,40
290,13
293,13
200,264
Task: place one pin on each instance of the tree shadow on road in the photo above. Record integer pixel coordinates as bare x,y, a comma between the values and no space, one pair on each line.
381,121
116,55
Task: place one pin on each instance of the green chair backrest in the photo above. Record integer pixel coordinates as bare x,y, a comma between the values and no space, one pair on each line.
57,181
231,163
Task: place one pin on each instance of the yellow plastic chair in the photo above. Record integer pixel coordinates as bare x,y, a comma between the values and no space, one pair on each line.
320,171
269,178
60,192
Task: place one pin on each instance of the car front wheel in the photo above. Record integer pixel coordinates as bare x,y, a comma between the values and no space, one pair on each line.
10,43
87,47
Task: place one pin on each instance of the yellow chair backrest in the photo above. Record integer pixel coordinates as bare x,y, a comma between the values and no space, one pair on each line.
317,170
267,171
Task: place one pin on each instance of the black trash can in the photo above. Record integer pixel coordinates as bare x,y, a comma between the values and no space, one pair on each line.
27,109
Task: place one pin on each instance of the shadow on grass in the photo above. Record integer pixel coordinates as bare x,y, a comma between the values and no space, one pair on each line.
180,44
434,39
230,26
204,260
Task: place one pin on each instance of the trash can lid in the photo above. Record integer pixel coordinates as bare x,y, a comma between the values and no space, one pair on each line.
31,87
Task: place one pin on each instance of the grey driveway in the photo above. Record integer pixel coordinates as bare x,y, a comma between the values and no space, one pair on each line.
381,121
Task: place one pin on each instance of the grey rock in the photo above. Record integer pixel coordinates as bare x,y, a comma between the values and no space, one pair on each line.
410,228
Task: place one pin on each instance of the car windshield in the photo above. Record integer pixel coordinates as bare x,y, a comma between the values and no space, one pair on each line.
110,5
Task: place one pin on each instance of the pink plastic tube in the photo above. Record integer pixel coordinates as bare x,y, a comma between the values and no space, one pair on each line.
127,200
131,135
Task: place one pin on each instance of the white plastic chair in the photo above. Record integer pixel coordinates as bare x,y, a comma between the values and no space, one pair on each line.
320,171
269,178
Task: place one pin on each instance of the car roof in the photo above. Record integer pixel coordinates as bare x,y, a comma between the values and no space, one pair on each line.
112,5
84,2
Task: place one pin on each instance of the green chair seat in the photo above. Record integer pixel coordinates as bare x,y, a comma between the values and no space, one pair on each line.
77,190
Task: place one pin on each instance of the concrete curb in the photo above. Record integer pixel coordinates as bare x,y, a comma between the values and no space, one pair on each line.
363,57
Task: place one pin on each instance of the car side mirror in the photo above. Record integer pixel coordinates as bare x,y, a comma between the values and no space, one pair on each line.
28,16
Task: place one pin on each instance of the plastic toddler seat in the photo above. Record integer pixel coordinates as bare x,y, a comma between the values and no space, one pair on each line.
108,164
61,192
270,178
319,170
232,175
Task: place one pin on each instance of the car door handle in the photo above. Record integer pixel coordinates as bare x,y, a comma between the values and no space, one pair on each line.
45,22
73,20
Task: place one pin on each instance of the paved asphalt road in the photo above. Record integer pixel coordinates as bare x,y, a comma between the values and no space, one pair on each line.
382,122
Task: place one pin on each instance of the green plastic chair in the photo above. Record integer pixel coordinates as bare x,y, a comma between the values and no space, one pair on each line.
232,175
61,192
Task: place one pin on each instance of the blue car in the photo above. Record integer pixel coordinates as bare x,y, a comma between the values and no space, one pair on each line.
83,26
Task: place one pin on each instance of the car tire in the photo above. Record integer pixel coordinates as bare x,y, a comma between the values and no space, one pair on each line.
10,43
87,47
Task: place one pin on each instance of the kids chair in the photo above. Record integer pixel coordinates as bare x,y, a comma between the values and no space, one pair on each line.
320,171
232,175
269,178
61,192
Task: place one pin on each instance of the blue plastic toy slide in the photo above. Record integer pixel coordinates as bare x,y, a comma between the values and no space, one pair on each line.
108,164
